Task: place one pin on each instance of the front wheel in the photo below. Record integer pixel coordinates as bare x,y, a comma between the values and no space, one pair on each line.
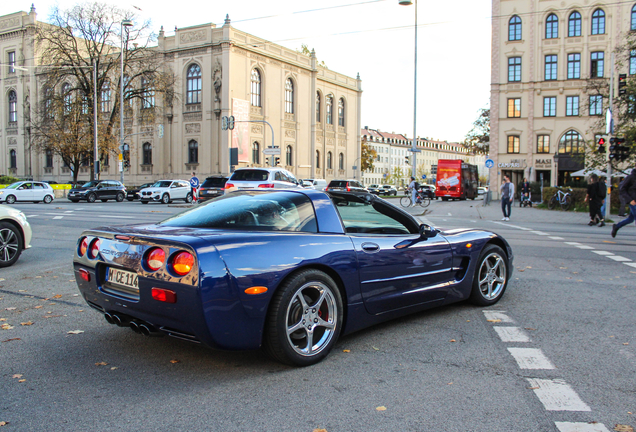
552,203
119,197
10,199
165,198
304,320
405,201
567,203
91,198
491,276
188,198
10,244
48,199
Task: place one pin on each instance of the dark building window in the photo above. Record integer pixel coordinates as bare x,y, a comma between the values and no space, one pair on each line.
597,63
49,159
574,24
552,27
148,97
514,28
289,96
105,104
329,119
596,105
67,97
317,159
549,106
193,152
13,107
341,161
329,165
288,156
633,23
256,153
341,112
147,155
317,107
13,159
194,84
551,67
574,66
11,61
598,22
256,88
514,69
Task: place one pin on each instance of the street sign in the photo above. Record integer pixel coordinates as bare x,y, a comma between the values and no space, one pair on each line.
415,151
490,163
423,176
271,151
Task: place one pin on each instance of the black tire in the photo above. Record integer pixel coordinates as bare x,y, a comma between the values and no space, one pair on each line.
48,199
130,199
144,202
104,200
491,276
165,199
91,198
188,198
552,203
11,244
120,197
444,198
405,201
10,199
297,313
425,202
567,203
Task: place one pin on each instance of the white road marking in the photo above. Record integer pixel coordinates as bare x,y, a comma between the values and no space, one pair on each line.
498,315
449,214
556,238
58,217
557,395
580,427
69,211
540,233
530,358
511,334
618,258
585,247
602,252
630,264
32,216
117,217
573,243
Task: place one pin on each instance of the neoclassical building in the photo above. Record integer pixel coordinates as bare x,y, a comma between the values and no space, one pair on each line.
311,113
544,54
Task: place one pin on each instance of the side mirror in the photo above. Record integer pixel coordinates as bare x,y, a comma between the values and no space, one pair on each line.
427,231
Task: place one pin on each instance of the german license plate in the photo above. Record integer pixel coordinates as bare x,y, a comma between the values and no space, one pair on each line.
122,278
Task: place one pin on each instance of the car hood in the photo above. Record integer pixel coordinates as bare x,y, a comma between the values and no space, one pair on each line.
154,189
82,189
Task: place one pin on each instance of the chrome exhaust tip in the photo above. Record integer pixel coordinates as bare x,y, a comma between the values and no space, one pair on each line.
118,321
135,327
109,318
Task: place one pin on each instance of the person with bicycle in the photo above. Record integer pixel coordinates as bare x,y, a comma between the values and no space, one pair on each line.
525,192
413,186
628,193
507,190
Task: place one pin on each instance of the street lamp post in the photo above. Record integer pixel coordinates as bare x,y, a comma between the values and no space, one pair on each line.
556,168
124,23
414,145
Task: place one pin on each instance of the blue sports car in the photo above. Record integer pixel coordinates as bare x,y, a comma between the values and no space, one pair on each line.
287,270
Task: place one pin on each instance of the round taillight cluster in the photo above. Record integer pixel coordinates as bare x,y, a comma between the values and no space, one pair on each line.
155,258
182,263
83,247
94,249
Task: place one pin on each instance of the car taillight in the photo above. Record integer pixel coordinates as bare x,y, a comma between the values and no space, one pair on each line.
155,259
164,295
83,247
266,185
182,263
94,249
229,185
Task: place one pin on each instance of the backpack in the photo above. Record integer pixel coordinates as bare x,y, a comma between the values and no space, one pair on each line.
417,186
601,190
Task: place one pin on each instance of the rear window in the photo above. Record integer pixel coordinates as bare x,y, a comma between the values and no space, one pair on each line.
250,175
214,182
251,210
338,183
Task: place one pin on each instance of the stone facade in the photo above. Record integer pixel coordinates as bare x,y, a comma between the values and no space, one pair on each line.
227,58
544,54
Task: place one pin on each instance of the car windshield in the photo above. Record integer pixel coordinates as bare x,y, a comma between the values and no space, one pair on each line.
13,185
251,210
250,175
373,186
90,184
162,184
214,182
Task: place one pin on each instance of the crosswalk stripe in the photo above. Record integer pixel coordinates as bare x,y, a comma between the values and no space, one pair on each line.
557,395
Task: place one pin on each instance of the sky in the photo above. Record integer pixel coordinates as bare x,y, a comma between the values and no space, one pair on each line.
373,38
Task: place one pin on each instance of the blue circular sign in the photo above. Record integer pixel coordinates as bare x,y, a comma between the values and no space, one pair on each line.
423,176
490,163
194,182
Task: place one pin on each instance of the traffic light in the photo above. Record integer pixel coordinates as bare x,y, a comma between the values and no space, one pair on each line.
230,122
622,84
618,151
277,161
601,145
407,160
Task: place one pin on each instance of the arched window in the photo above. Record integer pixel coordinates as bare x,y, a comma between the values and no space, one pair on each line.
193,152
49,159
256,153
598,22
13,107
67,97
48,102
288,156
289,96
329,119
148,97
341,161
318,159
514,28
256,88
341,112
574,24
13,159
317,107
571,142
105,105
193,82
633,26
329,165
552,27
147,155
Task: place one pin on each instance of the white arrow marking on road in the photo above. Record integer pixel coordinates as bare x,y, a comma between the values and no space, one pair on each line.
580,427
557,395
531,358
512,334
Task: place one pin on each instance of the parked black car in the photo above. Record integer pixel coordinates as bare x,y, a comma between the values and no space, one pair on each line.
133,194
212,187
346,186
98,190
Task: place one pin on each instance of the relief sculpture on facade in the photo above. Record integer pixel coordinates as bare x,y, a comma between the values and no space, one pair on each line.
191,128
8,23
290,134
193,36
257,129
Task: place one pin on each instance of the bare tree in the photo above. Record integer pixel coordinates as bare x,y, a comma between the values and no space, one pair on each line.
68,47
478,139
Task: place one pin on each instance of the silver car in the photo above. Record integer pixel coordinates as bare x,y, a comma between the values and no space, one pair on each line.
165,191
30,191
261,178
15,235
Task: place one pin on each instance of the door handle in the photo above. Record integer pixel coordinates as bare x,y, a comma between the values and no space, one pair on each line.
370,247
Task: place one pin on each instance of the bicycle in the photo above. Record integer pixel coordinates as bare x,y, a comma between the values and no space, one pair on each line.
421,199
564,199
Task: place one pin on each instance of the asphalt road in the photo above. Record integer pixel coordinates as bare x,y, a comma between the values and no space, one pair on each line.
555,354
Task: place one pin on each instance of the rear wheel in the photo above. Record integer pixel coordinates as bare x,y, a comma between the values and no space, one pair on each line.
405,201
305,319
425,201
567,203
48,199
552,203
119,197
165,198
10,199
491,276
91,198
10,244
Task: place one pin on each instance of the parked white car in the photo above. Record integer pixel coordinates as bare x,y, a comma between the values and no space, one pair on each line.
261,178
165,191
30,191
15,235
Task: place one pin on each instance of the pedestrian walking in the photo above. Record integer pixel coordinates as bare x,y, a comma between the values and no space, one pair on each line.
621,208
525,193
628,192
413,188
594,198
602,189
507,190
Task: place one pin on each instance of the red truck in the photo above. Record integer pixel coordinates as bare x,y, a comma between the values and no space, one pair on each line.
456,179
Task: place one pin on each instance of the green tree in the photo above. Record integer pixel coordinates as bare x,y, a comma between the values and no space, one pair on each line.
368,158
478,139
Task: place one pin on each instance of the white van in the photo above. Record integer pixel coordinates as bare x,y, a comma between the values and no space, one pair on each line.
319,184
